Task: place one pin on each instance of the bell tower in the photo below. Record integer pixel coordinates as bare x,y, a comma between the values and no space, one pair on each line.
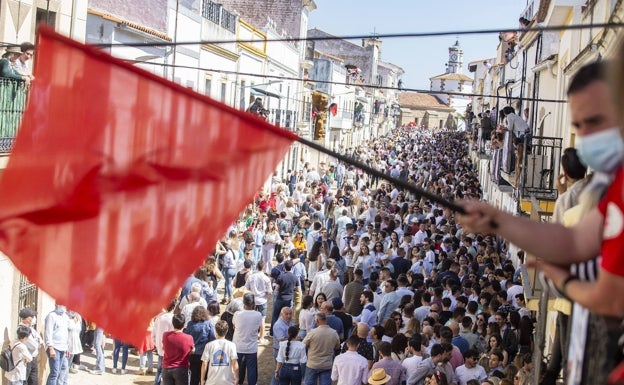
456,59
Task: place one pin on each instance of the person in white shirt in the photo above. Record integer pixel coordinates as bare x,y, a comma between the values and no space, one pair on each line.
57,344
248,324
350,368
291,357
21,357
414,346
260,286
219,359
162,323
470,370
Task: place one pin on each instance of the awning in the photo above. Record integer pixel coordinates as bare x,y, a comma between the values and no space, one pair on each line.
268,90
362,99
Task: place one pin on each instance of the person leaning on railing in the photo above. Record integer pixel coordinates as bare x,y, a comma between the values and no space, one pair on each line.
6,68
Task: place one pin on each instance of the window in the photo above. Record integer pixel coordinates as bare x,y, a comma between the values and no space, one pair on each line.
208,87
307,109
27,294
242,95
211,11
228,21
223,91
45,16
278,117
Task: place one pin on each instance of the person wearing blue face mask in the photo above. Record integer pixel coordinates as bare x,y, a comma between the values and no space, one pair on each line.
601,230
57,345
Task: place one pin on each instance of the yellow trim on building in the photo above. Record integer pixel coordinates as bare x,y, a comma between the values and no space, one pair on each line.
255,33
217,50
138,27
545,206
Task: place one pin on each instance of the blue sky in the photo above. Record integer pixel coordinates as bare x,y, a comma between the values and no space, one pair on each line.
421,58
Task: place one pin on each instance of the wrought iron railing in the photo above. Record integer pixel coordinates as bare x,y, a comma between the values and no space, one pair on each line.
540,167
217,14
12,103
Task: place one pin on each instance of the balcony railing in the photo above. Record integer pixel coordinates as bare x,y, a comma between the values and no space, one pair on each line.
12,103
217,14
539,167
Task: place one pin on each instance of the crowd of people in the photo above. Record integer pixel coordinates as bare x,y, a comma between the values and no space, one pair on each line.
373,284
365,282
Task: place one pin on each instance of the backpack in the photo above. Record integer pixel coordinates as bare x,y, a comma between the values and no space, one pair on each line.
6,358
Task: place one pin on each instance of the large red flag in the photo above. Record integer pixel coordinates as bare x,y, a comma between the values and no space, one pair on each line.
121,182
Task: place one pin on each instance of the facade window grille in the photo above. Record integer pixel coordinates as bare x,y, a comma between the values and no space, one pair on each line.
27,294
228,21
211,11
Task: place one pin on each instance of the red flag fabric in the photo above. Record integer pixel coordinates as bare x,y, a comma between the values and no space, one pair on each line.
121,182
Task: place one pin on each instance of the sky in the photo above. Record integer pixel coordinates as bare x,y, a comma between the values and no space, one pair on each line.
420,58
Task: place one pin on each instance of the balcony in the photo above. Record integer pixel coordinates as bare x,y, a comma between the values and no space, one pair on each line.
217,14
12,103
539,168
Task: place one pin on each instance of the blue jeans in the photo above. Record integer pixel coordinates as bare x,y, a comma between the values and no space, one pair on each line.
229,274
124,355
146,361
98,339
175,376
290,374
58,367
322,375
248,363
278,304
158,371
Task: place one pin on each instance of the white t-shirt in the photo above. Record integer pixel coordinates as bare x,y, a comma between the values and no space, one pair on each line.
411,364
19,352
219,355
246,326
464,374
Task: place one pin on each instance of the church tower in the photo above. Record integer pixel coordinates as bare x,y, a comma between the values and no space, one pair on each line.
456,59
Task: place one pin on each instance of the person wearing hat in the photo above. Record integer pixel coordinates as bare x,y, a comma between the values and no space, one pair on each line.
28,318
7,68
378,377
396,371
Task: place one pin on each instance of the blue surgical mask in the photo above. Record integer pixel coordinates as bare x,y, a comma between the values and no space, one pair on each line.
60,309
602,151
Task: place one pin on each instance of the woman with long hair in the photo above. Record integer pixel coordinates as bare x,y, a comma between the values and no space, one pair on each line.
270,241
291,356
398,346
341,263
364,261
299,242
390,330
495,341
306,315
318,301
398,320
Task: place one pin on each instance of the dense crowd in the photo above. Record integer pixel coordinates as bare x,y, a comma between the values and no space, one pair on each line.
367,282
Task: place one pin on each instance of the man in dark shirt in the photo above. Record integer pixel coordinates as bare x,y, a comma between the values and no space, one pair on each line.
347,319
284,289
365,348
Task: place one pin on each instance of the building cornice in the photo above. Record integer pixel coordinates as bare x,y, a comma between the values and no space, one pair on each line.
220,51
131,24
